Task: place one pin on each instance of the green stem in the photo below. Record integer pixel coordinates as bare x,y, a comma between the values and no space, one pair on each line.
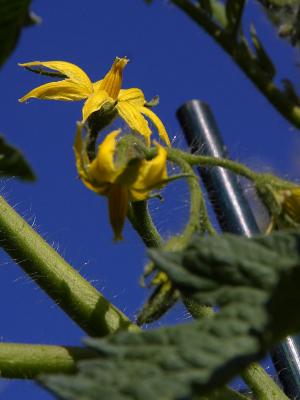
255,376
77,297
207,161
288,109
26,361
138,215
262,385
198,217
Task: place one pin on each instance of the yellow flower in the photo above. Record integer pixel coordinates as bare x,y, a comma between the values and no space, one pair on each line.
121,181
129,103
290,201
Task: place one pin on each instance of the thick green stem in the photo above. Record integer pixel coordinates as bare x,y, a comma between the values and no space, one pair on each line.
262,385
26,361
77,297
288,109
141,221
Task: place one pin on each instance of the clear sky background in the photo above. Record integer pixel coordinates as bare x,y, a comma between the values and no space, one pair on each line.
170,56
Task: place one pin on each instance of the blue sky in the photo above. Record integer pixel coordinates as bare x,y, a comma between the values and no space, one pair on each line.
169,56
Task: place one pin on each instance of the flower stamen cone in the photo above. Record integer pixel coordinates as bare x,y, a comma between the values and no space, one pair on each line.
112,82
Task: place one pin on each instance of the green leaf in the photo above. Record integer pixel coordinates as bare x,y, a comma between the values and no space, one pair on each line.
234,13
262,57
14,15
13,163
259,275
254,283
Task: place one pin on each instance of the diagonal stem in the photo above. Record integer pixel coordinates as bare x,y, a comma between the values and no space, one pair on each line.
77,297
252,70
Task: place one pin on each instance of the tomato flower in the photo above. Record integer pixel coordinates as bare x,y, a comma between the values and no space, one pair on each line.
130,104
121,179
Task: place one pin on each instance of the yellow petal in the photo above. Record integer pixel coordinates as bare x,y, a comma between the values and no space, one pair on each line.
118,205
72,71
158,124
63,90
152,174
133,95
134,119
82,163
112,82
97,85
102,169
78,150
94,102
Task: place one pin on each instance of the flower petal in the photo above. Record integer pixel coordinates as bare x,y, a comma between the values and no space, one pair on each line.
134,119
133,95
102,169
97,85
158,124
81,161
112,82
72,71
118,205
93,103
152,174
65,90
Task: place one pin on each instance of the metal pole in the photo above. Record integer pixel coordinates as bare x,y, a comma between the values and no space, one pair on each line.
234,215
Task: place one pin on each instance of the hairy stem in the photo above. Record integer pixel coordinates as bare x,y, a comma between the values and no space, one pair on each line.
198,218
262,385
77,297
207,161
140,218
26,361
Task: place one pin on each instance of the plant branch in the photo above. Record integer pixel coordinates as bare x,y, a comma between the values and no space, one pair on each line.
26,361
198,218
77,297
140,218
242,56
208,161
262,385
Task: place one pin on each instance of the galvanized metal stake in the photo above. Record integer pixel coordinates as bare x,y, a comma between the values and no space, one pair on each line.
234,215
